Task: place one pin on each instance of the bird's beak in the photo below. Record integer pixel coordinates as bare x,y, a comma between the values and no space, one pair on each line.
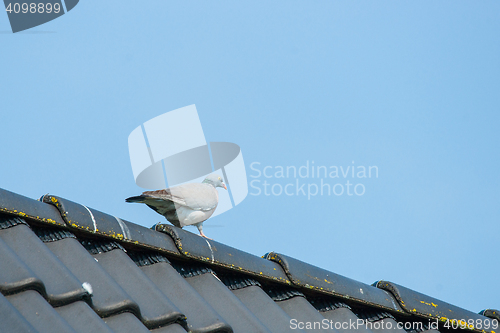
224,186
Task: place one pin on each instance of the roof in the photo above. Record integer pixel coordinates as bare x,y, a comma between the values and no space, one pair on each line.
65,267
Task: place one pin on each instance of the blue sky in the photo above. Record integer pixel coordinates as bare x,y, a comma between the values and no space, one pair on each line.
409,87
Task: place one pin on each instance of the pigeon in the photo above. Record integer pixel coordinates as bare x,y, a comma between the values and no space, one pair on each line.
188,204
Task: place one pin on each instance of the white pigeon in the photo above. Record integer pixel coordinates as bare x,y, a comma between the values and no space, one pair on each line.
188,204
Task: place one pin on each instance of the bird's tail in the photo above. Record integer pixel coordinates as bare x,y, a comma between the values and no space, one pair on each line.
138,198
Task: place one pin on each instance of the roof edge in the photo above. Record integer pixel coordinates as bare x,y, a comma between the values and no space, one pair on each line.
91,221
19,205
491,313
311,277
209,251
431,308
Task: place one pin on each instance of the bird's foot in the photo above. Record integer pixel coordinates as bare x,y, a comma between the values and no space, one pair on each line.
204,236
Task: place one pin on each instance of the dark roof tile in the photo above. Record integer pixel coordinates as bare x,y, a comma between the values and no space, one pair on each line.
150,239
15,276
80,216
125,322
82,318
108,297
188,244
264,308
200,316
13,320
61,286
301,311
222,300
156,308
39,313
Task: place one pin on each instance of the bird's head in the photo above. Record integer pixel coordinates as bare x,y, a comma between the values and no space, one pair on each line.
215,180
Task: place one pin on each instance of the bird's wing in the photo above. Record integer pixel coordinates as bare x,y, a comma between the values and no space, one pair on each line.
196,196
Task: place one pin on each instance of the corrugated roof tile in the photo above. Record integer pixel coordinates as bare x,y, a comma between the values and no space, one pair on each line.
40,314
264,308
108,297
82,318
61,286
125,322
301,311
225,303
200,317
156,308
15,276
13,320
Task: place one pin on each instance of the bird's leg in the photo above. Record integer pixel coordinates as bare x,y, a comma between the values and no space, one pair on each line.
200,229
204,236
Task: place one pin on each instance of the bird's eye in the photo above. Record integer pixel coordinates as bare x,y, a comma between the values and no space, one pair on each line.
219,178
